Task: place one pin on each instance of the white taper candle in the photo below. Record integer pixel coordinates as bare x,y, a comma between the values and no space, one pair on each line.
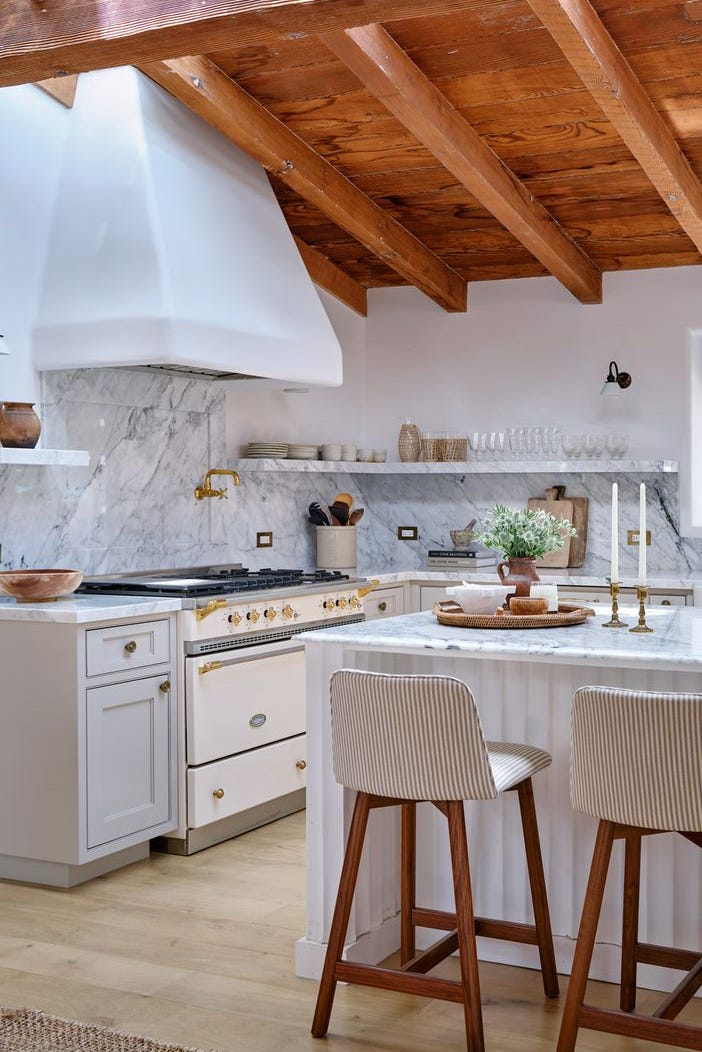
642,535
614,570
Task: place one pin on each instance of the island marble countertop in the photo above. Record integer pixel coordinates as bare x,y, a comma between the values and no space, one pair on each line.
676,642
82,609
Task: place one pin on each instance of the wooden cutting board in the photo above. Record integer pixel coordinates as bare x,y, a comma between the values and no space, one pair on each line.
560,509
578,544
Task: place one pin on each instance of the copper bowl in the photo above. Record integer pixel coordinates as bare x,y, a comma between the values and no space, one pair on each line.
39,586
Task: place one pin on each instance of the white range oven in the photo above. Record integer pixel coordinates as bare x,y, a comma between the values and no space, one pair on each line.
242,705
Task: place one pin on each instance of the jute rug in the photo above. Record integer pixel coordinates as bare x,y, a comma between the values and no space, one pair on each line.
23,1030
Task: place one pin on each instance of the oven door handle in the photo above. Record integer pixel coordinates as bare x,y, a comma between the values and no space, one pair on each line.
254,653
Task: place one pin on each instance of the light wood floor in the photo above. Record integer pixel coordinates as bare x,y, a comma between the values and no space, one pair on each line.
199,951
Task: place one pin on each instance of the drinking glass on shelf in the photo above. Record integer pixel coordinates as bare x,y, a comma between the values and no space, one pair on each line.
499,445
616,444
489,444
476,443
513,436
594,446
572,445
552,441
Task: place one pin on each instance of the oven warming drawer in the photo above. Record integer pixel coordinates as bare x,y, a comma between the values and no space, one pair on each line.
227,787
237,701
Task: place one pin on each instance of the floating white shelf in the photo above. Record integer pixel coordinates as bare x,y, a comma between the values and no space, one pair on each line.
65,458
471,467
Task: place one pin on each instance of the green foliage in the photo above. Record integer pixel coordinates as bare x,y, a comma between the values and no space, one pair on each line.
523,534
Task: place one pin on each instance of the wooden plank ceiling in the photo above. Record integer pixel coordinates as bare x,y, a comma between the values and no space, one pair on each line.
483,139
503,72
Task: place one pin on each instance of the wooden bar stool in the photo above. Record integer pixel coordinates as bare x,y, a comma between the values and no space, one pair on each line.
636,764
397,740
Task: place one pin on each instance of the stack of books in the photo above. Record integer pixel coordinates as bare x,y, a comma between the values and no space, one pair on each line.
474,558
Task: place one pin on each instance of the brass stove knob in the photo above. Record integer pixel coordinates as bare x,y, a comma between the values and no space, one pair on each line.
253,616
342,603
354,602
329,605
288,611
270,613
234,619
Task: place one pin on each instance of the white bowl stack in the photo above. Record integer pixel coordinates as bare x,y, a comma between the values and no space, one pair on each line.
297,451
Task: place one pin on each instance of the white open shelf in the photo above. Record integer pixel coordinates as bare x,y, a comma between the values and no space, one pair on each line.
65,458
470,467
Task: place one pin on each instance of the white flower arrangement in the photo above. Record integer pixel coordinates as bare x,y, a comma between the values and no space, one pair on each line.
523,534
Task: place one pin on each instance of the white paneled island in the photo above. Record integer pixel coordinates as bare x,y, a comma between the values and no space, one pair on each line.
523,682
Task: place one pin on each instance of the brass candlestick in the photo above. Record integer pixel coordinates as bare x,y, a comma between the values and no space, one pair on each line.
642,596
616,621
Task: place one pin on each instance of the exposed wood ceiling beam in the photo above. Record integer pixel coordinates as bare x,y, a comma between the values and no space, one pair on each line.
41,40
333,279
207,91
593,54
390,74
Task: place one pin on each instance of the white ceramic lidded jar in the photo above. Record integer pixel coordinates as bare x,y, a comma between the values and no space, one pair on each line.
409,442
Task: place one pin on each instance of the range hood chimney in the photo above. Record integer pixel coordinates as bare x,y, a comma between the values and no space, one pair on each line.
169,250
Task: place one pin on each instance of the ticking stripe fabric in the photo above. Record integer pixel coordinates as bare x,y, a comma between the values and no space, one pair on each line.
419,738
636,757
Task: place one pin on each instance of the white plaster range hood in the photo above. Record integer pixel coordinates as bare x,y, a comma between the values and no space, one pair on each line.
168,249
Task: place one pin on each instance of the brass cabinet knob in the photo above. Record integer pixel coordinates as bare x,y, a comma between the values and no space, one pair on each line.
382,606
253,616
130,647
218,793
666,602
234,619
270,613
329,605
342,603
301,764
165,687
288,612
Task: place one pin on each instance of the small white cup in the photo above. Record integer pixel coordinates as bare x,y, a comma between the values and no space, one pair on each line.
331,452
348,453
365,455
379,455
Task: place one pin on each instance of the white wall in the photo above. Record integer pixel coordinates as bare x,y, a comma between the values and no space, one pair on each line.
525,353
31,117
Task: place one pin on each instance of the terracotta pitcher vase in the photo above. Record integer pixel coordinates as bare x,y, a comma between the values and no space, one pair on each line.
19,425
518,574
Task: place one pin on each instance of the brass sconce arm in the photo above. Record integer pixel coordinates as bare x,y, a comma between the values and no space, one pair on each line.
206,490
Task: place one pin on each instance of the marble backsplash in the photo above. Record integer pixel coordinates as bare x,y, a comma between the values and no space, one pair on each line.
151,438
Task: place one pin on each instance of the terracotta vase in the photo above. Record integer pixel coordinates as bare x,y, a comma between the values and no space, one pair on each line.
518,574
19,425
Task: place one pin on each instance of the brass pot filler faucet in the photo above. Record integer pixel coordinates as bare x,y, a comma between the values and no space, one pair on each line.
205,490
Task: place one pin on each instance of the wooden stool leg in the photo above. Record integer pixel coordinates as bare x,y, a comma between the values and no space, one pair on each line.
340,920
408,881
630,922
537,883
465,926
586,937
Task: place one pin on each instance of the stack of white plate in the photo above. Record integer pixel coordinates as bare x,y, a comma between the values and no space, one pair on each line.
300,452
274,450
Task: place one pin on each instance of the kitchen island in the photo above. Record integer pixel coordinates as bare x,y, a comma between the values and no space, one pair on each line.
523,682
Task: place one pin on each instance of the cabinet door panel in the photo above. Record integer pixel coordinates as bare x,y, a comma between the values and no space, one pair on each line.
128,758
384,602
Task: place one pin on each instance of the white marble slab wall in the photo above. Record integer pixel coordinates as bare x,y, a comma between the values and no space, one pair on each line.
151,438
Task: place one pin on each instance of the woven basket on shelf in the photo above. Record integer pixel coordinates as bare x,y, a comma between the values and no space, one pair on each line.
453,449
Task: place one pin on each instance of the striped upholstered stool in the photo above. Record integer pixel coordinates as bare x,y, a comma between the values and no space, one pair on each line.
397,740
637,766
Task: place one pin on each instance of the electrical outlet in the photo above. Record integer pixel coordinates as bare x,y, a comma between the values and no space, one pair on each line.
407,533
265,539
632,537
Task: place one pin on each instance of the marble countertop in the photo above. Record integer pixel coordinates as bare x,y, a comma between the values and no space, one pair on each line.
676,642
560,577
82,609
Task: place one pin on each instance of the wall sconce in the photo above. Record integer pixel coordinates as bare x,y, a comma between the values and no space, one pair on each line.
615,382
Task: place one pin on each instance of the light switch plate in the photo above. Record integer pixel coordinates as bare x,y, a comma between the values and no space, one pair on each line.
264,539
632,537
407,533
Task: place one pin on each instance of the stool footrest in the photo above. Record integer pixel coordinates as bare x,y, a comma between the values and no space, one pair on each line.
443,920
610,1021
666,956
426,960
394,979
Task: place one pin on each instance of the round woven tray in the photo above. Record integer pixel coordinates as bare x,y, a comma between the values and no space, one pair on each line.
449,613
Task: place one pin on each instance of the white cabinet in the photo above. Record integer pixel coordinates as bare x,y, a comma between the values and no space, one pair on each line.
127,739
87,746
430,594
384,602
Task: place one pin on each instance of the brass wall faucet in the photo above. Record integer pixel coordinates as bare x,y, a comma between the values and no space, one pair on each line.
205,490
